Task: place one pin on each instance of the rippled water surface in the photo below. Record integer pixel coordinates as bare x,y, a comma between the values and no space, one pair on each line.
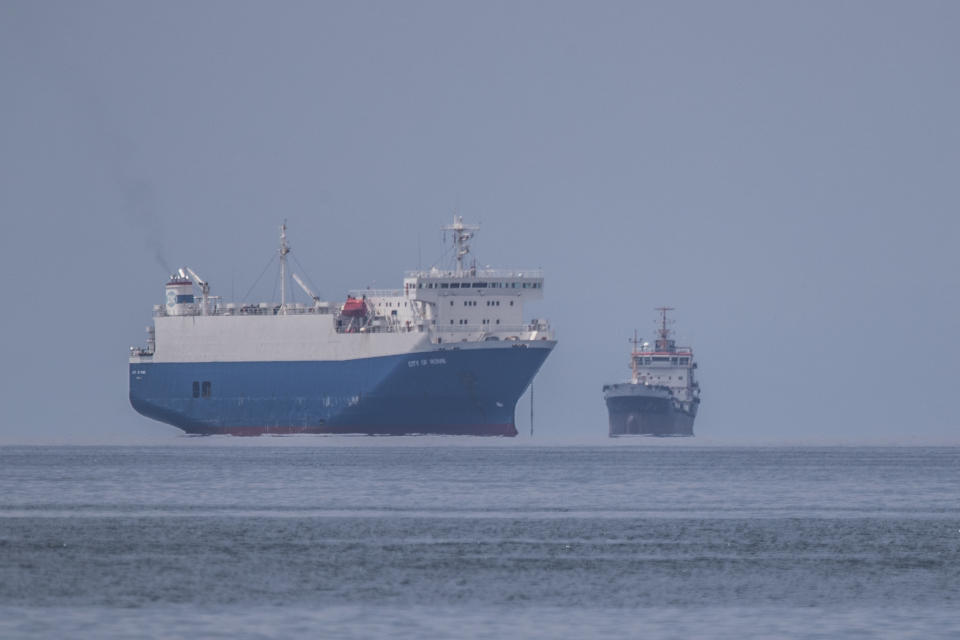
479,541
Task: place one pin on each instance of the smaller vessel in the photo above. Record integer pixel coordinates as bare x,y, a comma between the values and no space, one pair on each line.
662,396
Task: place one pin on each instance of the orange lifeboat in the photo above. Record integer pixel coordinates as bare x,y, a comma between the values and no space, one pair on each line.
354,308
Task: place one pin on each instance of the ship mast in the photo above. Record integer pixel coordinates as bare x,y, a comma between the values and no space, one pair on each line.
663,341
284,250
633,357
462,233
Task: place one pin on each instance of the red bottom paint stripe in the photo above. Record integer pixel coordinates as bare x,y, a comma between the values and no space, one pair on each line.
443,429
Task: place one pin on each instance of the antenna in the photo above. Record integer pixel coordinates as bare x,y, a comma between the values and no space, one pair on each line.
663,342
462,233
284,250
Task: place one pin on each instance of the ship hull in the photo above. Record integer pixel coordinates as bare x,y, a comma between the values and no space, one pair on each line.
639,410
472,390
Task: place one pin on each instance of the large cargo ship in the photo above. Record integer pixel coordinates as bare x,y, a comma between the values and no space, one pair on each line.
662,396
449,353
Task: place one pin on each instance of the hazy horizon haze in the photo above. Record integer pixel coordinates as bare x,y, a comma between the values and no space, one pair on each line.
783,174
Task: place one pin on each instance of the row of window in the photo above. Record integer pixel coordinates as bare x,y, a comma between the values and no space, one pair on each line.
473,303
465,321
481,285
671,360
490,303
201,389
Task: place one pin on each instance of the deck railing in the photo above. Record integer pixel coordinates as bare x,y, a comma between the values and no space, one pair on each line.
477,273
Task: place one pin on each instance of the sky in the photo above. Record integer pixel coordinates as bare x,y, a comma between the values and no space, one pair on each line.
784,174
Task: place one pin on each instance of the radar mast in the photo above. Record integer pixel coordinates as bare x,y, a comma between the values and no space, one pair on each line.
462,233
664,343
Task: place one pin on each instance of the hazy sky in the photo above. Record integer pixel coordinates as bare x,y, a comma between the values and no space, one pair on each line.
785,174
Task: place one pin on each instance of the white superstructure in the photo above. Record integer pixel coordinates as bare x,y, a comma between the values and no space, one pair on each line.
464,306
666,365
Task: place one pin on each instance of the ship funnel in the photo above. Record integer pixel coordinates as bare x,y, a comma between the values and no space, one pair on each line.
179,296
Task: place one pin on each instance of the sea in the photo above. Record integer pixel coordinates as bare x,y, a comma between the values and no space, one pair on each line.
435,538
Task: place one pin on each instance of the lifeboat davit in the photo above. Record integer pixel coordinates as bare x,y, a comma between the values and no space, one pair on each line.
354,308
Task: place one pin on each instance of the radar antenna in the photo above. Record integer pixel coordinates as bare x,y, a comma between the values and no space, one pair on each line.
663,342
462,233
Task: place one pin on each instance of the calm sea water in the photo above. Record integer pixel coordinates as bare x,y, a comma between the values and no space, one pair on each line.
329,539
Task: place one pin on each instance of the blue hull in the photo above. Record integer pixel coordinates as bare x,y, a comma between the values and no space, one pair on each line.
448,391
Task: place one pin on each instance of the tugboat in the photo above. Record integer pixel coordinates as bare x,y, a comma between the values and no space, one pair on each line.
662,396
